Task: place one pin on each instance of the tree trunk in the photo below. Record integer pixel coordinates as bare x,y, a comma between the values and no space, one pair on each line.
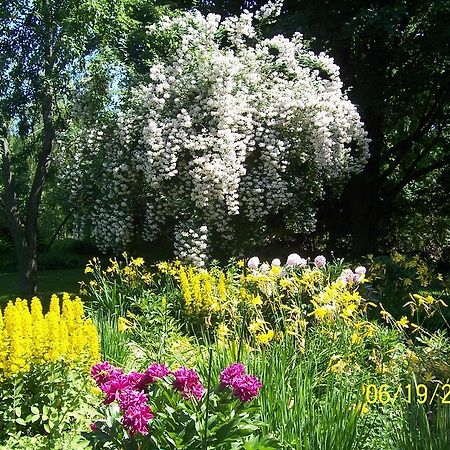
26,255
27,272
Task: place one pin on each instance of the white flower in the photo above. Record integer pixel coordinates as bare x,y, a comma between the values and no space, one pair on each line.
361,270
264,267
253,262
294,260
320,261
276,262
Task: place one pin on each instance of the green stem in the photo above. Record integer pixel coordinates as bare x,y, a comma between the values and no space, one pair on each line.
205,437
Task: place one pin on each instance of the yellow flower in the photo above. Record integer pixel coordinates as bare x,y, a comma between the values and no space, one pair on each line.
27,337
428,377
265,338
88,269
147,278
256,300
256,325
337,364
123,324
222,330
403,322
356,338
407,282
349,310
138,262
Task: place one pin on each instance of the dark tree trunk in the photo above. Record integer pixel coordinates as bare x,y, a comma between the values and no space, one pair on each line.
26,255
24,235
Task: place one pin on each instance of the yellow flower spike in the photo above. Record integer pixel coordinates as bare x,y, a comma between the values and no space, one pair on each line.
54,305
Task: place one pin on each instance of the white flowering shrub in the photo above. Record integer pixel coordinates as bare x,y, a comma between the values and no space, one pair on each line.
229,129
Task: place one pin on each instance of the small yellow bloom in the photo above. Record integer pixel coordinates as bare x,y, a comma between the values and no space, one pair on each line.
138,262
265,338
256,300
88,269
123,324
403,322
256,325
356,338
222,330
407,282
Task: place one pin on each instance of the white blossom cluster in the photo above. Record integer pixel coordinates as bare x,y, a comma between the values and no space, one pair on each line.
229,125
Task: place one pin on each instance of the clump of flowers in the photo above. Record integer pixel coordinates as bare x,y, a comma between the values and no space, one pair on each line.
222,127
245,387
146,409
29,337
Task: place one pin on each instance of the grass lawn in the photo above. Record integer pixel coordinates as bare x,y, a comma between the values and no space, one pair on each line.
49,282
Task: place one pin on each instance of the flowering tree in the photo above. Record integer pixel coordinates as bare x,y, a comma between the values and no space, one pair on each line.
229,129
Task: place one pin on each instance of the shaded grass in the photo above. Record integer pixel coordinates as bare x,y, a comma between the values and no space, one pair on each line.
49,282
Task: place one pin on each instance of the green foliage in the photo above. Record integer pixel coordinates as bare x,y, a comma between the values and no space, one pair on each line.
51,400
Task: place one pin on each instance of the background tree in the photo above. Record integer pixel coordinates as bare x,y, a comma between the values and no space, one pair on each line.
44,48
227,129
394,57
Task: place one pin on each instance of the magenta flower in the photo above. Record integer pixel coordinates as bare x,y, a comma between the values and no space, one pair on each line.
102,372
114,386
156,371
136,419
230,373
246,387
188,383
136,380
130,397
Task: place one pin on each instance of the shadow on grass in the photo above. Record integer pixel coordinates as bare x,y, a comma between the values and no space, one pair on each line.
49,282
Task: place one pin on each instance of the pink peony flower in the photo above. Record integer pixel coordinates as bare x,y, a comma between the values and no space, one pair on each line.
246,387
188,383
114,386
320,261
230,373
136,418
136,380
102,372
130,397
253,262
156,371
